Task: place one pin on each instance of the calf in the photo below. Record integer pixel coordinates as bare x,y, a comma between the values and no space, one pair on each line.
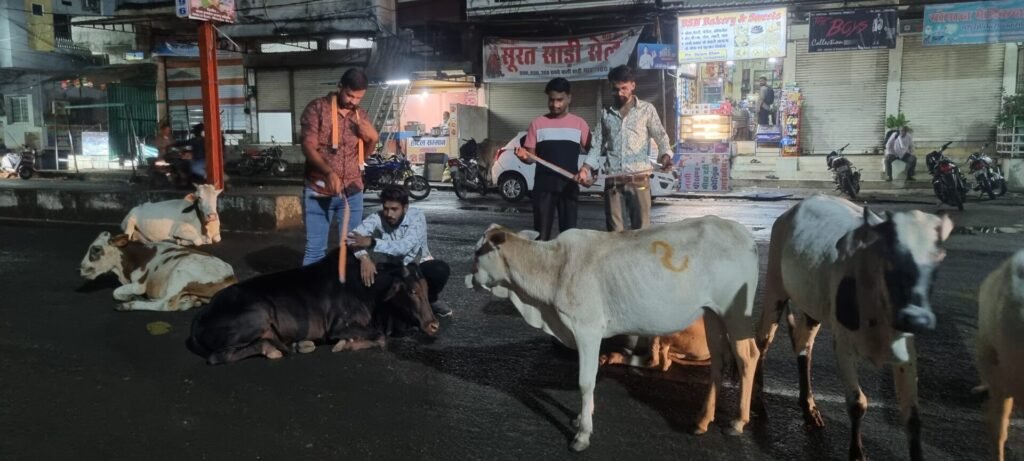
689,347
156,276
192,220
266,314
867,278
588,285
1000,344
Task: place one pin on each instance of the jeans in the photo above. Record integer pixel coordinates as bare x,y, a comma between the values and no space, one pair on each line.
198,167
545,204
318,213
436,272
907,158
627,197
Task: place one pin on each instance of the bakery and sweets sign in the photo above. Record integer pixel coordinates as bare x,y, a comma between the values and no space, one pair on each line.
732,36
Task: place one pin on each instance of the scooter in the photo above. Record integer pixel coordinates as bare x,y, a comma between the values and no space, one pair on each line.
988,175
948,182
846,177
467,173
22,164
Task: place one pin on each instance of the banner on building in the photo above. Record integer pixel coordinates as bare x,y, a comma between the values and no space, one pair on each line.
655,56
206,10
587,57
974,23
732,36
861,29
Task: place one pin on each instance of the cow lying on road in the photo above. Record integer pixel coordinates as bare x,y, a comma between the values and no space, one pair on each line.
865,277
1000,344
192,220
588,285
267,314
156,276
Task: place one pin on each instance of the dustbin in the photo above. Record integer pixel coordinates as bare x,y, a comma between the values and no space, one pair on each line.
433,166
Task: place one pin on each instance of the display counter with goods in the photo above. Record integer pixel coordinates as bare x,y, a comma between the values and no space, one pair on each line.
789,115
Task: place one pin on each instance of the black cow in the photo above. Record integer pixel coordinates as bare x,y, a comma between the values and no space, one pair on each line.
267,314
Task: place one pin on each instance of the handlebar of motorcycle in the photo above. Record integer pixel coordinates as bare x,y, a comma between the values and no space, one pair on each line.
944,146
844,147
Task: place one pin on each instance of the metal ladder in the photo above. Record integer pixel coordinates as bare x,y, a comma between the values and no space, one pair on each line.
389,103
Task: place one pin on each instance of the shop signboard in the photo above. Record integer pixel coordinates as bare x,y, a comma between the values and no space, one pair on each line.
418,147
703,167
206,10
583,57
974,23
655,56
860,29
732,36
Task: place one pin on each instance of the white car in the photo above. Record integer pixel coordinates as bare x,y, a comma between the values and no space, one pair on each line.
515,178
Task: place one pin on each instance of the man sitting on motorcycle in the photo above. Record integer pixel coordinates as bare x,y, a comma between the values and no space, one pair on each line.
900,146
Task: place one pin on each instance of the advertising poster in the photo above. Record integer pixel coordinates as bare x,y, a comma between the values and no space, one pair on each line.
585,57
861,29
974,23
732,36
703,166
655,56
95,143
206,10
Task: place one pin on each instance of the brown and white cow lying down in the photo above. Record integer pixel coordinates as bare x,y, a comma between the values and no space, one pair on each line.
1000,344
192,220
156,276
865,277
588,285
267,314
686,347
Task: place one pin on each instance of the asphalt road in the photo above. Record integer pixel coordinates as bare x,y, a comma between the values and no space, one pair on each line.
81,381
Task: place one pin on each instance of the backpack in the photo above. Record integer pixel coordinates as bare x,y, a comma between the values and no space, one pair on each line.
888,135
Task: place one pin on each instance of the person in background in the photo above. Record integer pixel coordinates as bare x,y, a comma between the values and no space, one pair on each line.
764,103
333,170
398,235
197,145
558,137
620,145
900,146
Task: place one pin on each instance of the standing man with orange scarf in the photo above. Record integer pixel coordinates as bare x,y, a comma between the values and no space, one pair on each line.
335,133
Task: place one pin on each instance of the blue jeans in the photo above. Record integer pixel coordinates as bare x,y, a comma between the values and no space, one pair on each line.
198,167
319,212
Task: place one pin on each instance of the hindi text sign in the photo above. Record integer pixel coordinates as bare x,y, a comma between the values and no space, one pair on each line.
732,36
974,23
574,58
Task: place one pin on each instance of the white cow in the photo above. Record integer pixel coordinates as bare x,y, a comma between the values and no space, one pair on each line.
156,276
1000,346
587,285
865,277
192,220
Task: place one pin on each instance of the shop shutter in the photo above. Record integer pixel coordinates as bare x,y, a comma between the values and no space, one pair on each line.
273,92
185,97
512,106
951,93
309,84
844,99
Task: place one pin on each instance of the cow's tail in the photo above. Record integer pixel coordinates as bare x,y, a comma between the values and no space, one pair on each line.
773,305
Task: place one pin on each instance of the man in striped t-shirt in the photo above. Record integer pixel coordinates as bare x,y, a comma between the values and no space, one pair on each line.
558,137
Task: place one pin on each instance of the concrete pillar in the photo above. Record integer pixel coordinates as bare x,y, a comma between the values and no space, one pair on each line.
161,89
796,32
1010,69
894,82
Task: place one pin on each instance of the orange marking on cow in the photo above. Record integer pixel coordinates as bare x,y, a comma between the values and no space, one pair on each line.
666,259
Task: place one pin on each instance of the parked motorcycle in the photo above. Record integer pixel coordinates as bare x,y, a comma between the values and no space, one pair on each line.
173,171
22,164
948,182
988,175
258,161
467,173
846,177
397,169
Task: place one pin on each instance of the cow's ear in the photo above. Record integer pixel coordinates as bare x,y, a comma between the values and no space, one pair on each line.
861,237
529,234
119,240
493,227
190,197
945,227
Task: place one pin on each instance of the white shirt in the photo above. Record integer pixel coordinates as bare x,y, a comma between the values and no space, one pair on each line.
899,145
407,241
